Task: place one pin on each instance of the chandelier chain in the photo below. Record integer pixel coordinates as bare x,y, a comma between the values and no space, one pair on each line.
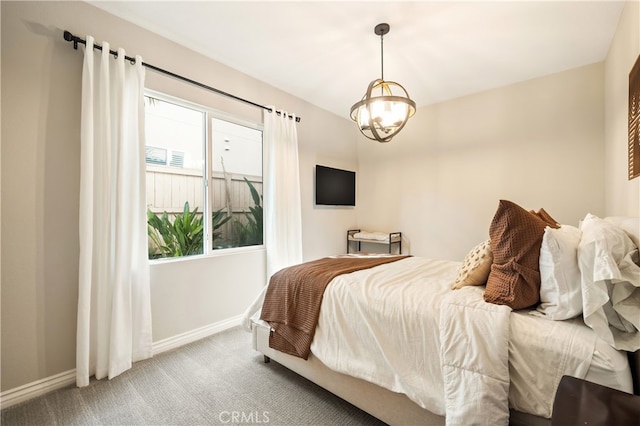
382,56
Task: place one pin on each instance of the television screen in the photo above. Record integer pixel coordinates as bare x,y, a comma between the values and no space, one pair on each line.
335,187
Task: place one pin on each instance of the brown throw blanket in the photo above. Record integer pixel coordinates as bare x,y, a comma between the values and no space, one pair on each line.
292,301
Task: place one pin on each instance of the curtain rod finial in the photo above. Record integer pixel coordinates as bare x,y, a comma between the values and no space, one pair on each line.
70,37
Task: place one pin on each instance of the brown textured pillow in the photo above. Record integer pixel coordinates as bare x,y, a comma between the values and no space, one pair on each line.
546,217
516,237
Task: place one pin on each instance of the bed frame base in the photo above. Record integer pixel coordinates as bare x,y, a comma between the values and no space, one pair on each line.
390,407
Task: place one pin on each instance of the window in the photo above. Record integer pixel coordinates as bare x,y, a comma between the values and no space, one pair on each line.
201,165
155,155
236,176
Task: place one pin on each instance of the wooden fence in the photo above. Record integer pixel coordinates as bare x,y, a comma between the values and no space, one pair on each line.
169,188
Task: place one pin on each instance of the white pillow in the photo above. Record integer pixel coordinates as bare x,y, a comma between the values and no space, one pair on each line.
560,287
610,283
629,224
476,266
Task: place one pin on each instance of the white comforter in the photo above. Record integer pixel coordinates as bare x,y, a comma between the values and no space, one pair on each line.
400,326
474,339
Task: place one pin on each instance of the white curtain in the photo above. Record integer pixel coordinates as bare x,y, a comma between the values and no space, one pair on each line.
283,221
114,310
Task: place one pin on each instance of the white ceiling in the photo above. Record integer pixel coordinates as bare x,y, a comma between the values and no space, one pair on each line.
326,52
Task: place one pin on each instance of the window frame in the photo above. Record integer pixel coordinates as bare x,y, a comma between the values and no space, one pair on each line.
208,114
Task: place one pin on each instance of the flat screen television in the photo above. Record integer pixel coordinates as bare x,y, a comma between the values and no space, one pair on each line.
335,187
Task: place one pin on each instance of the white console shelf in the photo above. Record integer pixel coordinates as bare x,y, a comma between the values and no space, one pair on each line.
390,239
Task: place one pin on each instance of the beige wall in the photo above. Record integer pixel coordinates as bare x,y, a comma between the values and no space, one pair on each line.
622,195
40,184
538,143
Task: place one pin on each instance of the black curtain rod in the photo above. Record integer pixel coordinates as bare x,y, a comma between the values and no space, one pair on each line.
70,37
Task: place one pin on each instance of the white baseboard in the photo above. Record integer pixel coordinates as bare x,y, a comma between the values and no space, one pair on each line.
39,387
193,335
58,381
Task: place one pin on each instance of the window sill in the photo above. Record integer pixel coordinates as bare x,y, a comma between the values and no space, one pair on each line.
212,254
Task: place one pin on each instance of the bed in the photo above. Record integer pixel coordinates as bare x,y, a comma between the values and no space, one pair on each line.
394,338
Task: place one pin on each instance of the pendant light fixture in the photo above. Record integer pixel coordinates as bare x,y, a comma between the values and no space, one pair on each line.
386,107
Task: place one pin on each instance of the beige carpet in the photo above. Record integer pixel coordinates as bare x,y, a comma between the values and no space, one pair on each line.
219,380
